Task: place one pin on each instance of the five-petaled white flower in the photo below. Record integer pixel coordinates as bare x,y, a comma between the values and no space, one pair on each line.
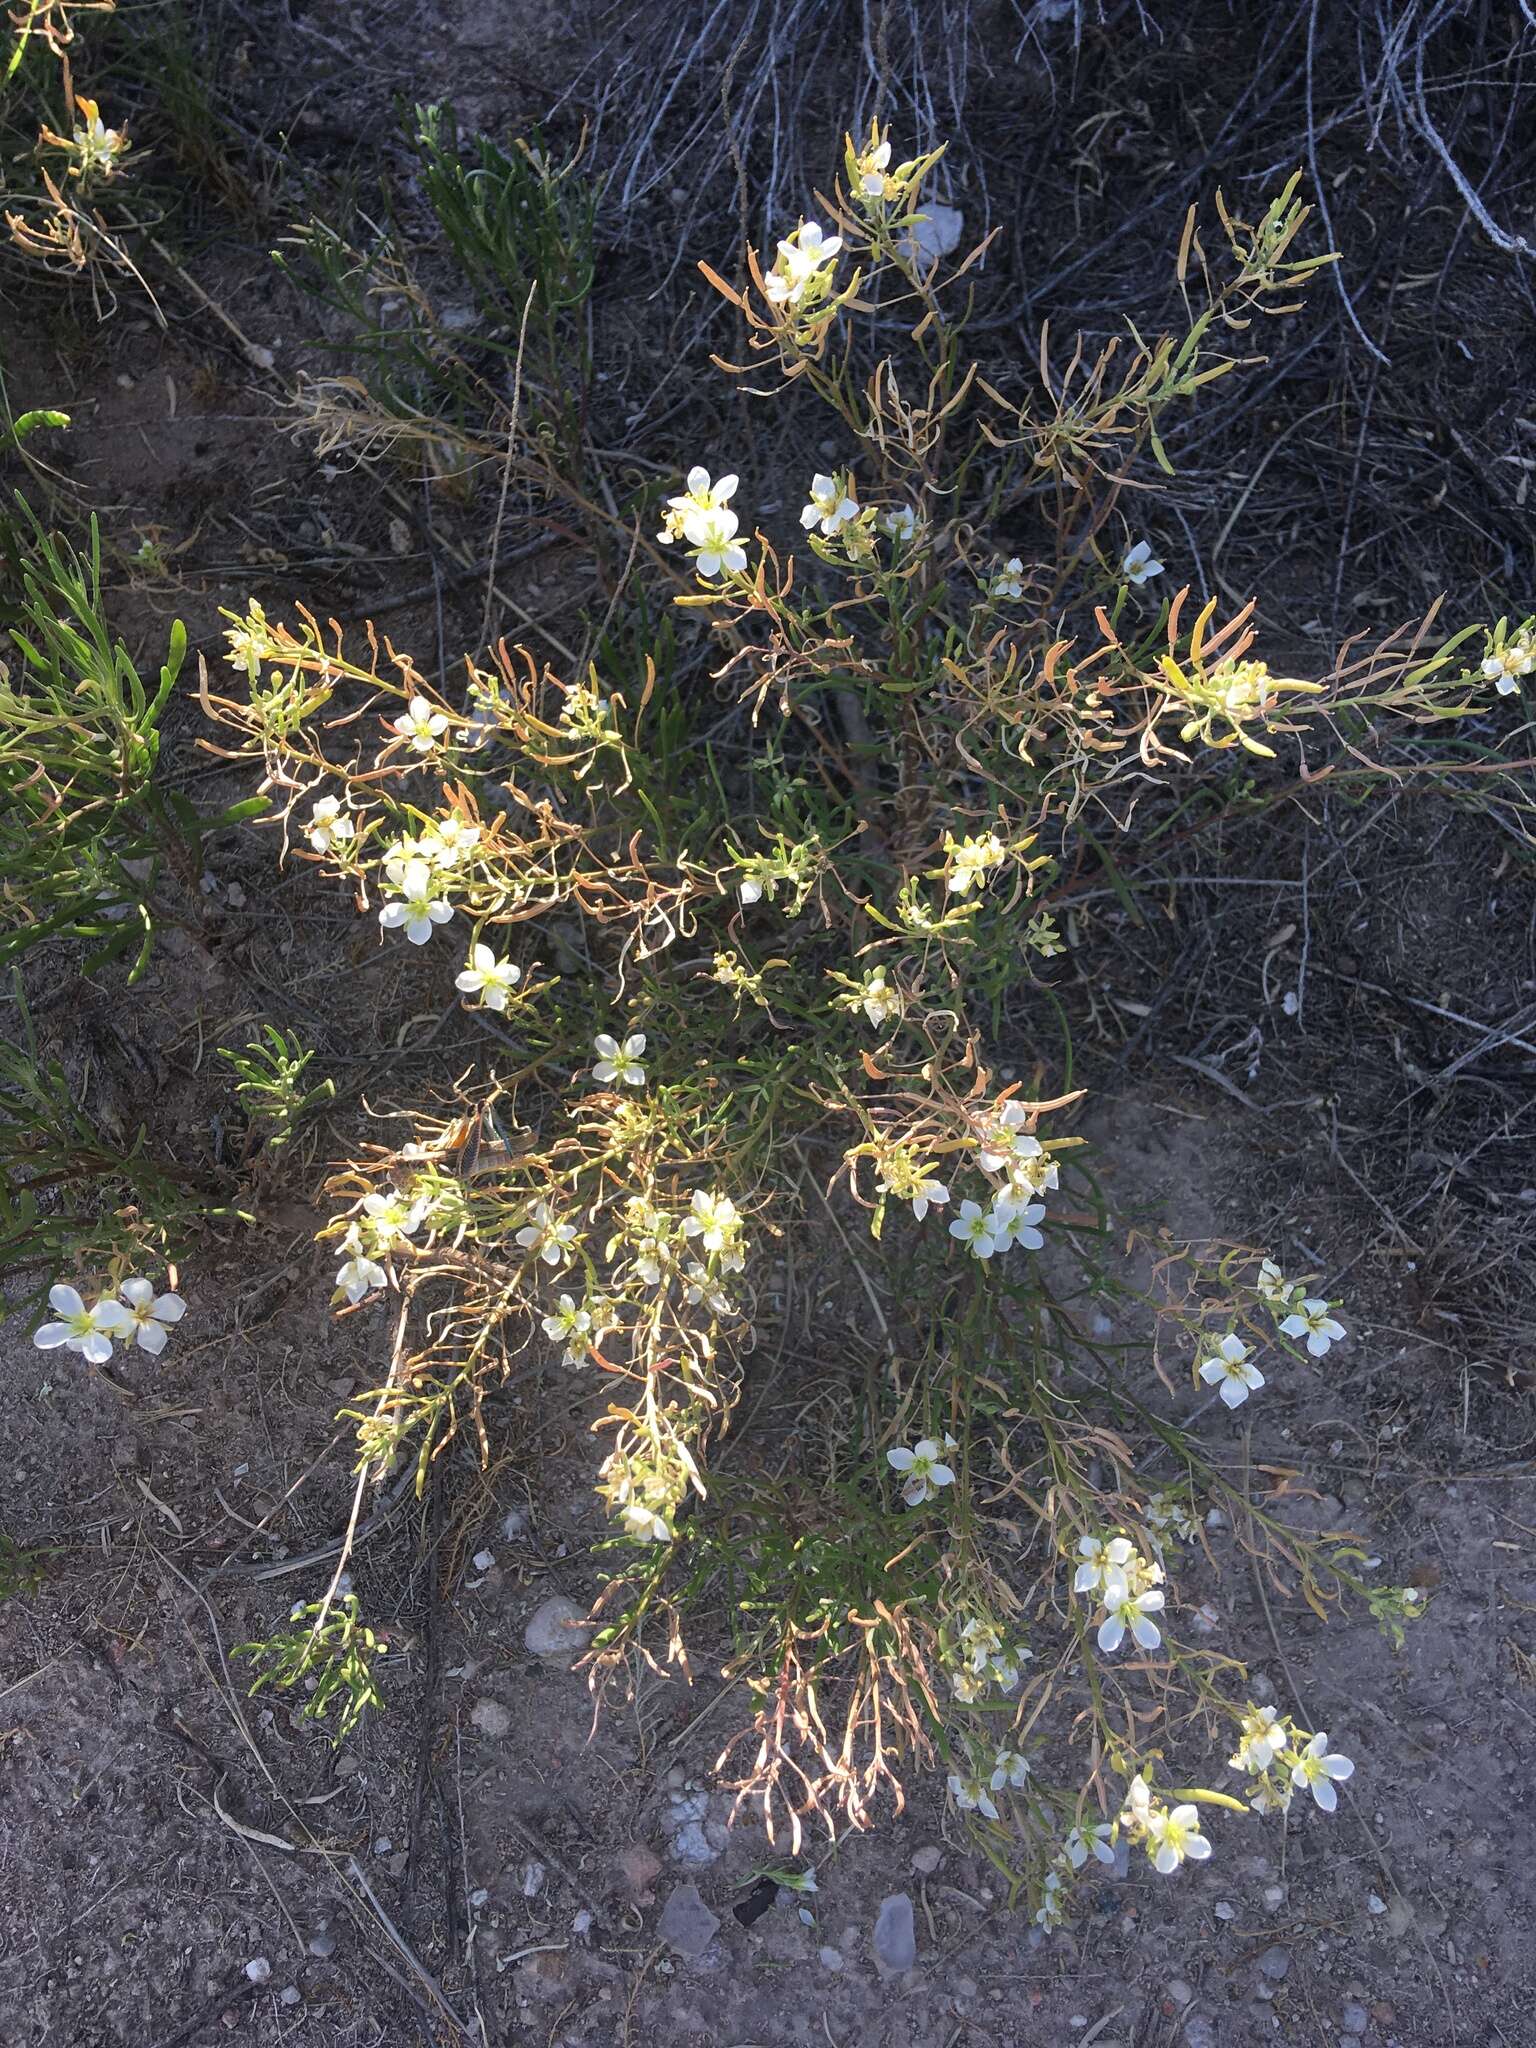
1009,580
421,725
701,497
1008,1768
1314,1321
972,1794
448,839
1316,1769
1124,1610
391,1217
1232,1370
702,517
805,259
1261,1740
153,1314
491,979
546,1236
329,825
831,505
1003,1139
617,1062
716,550
1177,1836
415,907
900,522
922,1468
89,1331
1140,563
975,1227
358,1274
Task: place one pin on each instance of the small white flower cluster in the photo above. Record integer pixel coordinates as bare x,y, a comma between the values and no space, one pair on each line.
702,517
135,1314
416,904
971,861
981,1659
1286,1759
1007,582
1129,1586
1306,1318
831,506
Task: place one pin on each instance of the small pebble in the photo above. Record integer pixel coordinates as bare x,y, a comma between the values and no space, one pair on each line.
1179,1993
582,1924
895,1936
322,1944
1276,1964
479,1898
551,1629
1274,1897
491,1718
1374,1903
513,1523
686,1923
484,1560
289,1995
534,1875
830,1959
926,1861
258,1969
1225,1910
1354,2019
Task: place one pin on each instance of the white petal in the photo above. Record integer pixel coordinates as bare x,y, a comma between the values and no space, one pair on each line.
49,1336
169,1308
98,1349
111,1315
137,1293
150,1337
66,1300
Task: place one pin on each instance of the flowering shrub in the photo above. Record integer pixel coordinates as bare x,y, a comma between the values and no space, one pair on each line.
712,976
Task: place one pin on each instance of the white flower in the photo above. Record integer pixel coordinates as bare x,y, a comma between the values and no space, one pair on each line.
1079,1846
712,541
1140,563
923,1468
153,1314
900,522
1013,1223
1008,1768
645,1522
1262,1739
1177,1836
878,1000
1272,1284
617,1062
415,907
715,1221
329,825
831,505
974,1227
1099,1559
358,1274
1316,1769
1232,1371
545,1236
1003,1141
1504,666
420,724
391,1217
447,840
701,498
570,1325
1314,1322
872,167
1009,580
803,265
971,1795
931,1194
699,1287
89,1331
491,979
971,860
1124,1610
